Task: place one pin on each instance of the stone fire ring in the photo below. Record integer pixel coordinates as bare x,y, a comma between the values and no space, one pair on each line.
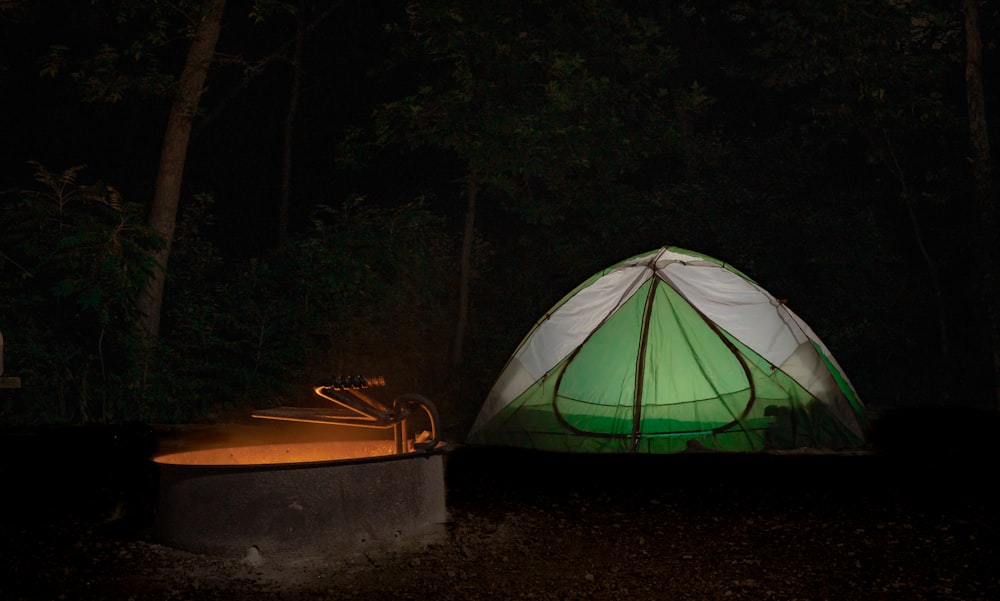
213,502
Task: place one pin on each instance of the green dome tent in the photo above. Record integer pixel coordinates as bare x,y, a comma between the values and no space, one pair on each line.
667,351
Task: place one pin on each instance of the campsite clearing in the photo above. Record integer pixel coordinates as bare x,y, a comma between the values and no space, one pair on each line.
525,525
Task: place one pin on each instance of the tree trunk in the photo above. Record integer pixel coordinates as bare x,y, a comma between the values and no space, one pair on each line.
293,104
983,178
166,196
887,150
465,279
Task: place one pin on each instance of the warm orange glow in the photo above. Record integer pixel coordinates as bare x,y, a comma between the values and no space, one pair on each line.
281,453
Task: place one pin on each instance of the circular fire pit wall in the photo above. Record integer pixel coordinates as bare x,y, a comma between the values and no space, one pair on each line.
328,497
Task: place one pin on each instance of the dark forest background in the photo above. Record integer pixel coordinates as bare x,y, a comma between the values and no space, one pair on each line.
403,188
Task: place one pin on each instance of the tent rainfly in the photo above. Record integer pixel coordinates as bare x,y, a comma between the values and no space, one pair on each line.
668,351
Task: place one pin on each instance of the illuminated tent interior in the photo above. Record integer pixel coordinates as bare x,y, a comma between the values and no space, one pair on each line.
668,351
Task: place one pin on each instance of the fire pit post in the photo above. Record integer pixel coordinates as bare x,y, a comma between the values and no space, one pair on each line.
7,381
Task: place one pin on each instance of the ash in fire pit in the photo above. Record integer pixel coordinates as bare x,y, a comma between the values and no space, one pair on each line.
292,491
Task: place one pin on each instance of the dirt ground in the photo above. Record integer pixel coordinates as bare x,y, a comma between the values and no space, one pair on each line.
875,525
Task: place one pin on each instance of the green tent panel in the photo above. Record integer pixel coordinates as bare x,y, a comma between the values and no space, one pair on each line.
664,351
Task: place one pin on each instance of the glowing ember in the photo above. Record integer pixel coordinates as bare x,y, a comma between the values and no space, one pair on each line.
282,453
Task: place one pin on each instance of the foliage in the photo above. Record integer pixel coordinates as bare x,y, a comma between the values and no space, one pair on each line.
127,55
359,293
373,287
870,87
551,105
74,257
817,147
192,353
